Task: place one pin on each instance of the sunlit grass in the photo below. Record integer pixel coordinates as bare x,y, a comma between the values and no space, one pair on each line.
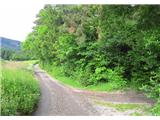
58,74
139,109
19,89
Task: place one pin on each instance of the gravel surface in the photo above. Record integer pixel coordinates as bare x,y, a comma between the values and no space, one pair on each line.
60,100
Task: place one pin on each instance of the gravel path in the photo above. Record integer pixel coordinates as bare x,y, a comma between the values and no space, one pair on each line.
59,100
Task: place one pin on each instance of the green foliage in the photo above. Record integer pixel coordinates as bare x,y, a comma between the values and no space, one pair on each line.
115,78
9,54
19,91
11,50
156,109
100,44
6,54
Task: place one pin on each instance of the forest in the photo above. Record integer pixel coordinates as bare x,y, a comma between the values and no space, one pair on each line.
11,50
9,54
115,45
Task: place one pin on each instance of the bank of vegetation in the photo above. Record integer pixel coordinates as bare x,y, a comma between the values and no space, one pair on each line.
19,89
116,46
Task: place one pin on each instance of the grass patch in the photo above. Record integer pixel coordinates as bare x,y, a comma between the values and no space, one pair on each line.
19,89
142,108
136,114
58,74
102,87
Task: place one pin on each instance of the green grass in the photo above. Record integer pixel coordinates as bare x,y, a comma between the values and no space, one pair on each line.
136,114
141,108
58,74
19,89
69,81
102,87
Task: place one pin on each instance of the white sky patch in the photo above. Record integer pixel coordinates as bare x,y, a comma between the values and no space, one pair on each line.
17,17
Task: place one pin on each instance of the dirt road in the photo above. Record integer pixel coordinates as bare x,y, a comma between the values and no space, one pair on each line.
59,100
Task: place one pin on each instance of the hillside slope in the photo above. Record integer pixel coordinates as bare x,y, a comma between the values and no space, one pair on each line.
9,43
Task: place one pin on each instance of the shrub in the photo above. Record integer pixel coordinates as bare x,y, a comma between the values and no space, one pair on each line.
115,78
156,109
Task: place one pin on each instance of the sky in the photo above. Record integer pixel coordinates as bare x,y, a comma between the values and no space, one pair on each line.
17,17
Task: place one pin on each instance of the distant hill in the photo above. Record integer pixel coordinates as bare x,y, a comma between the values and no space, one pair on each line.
10,44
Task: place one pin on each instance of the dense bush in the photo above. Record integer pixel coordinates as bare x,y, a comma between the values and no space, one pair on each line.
156,109
94,44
